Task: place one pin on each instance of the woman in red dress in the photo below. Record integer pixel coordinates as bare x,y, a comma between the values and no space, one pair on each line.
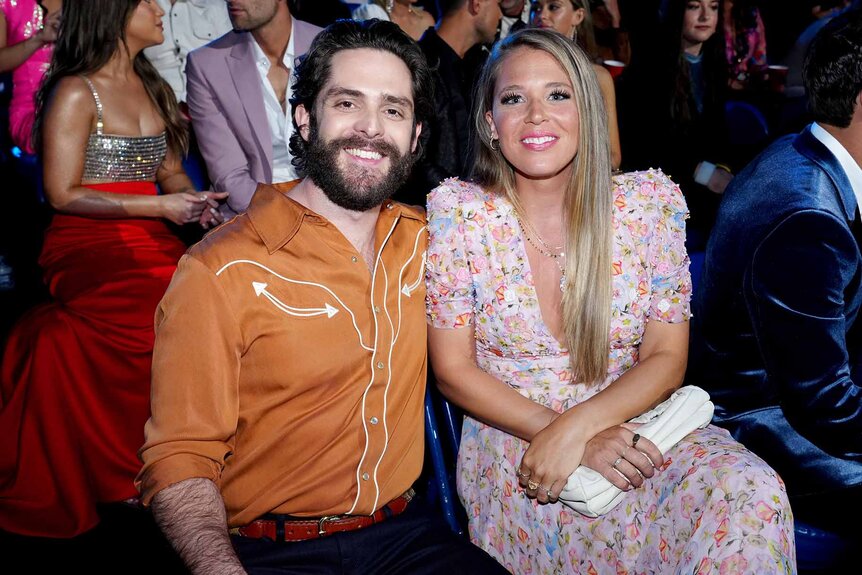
75,377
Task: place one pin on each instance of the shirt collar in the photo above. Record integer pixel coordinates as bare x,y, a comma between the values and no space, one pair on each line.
277,218
288,58
848,164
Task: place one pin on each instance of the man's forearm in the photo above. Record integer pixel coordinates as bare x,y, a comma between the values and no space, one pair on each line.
192,516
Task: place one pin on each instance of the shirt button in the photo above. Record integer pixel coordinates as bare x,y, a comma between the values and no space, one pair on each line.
365,476
374,421
377,309
379,365
354,259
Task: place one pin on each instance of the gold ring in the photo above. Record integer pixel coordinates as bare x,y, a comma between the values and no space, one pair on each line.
519,473
550,494
532,485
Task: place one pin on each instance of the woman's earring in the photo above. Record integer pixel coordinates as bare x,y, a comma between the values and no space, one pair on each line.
495,144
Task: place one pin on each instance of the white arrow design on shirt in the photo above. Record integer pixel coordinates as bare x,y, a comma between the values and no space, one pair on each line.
409,289
328,310
300,282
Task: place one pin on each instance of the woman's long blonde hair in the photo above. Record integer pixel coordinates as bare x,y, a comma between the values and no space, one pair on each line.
587,200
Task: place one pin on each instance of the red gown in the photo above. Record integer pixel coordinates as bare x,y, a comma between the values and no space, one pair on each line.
75,377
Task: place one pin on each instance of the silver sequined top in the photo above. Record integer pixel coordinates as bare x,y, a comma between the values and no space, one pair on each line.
112,158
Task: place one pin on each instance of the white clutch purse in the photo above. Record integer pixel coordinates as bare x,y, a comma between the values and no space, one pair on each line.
689,408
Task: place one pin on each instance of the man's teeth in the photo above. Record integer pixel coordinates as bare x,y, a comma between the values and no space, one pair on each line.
542,140
365,154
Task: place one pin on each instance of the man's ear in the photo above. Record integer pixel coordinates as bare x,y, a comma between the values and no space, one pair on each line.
473,6
416,132
302,119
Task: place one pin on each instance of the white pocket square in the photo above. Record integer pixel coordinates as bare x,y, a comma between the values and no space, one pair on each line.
687,409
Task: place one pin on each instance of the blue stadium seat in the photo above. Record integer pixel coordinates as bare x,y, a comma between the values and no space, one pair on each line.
442,481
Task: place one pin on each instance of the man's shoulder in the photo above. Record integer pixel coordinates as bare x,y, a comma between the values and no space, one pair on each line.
217,48
431,44
778,180
234,239
305,34
411,212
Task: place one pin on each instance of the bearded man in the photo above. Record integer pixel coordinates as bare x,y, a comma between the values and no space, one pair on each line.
289,366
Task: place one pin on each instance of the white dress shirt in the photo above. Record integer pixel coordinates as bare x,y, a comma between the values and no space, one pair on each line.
188,24
279,119
851,168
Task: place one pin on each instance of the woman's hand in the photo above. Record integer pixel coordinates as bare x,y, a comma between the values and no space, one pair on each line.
553,455
210,216
183,207
622,456
50,28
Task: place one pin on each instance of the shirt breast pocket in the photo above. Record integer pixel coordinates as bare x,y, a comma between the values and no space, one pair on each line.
206,25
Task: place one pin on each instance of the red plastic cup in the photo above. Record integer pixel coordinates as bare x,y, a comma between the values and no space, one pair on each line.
777,77
615,67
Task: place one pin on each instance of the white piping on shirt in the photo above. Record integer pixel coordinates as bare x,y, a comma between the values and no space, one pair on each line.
378,262
321,286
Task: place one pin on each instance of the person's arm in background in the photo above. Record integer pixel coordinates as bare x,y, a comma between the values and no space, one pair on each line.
622,47
173,179
609,96
13,56
226,161
795,293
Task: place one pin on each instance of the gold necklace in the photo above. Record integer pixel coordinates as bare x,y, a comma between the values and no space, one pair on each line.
532,231
556,257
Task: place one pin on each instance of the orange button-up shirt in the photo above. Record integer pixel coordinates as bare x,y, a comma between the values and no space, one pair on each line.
285,370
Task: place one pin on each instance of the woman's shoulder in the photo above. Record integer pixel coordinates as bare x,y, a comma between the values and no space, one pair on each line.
644,192
425,18
73,91
454,193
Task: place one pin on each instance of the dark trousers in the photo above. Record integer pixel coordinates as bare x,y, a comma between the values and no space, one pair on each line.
416,542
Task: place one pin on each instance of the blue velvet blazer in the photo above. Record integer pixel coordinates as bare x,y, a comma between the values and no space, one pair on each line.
778,338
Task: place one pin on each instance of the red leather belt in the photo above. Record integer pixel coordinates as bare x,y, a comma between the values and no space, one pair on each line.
304,529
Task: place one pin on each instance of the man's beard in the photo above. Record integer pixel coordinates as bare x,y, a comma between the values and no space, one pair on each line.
360,189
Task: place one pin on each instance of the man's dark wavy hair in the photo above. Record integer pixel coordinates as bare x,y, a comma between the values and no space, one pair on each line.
313,71
832,72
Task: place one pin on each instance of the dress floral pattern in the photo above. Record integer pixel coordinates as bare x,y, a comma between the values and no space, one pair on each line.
714,508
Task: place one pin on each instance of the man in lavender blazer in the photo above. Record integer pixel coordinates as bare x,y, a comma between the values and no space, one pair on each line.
238,91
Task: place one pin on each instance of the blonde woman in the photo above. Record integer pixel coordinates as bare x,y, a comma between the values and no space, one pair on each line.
558,302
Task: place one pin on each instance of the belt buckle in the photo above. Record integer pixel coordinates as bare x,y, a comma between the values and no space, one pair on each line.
320,523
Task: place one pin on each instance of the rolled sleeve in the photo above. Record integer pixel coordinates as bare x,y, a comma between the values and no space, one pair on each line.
194,398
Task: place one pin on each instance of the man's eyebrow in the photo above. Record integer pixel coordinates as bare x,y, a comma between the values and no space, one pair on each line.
342,91
398,100
336,91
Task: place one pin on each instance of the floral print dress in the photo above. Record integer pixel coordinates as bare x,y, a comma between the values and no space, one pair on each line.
714,508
